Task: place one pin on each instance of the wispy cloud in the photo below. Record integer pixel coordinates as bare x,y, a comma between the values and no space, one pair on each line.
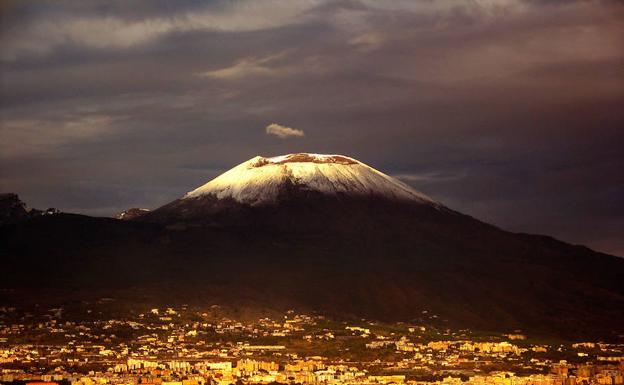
426,177
283,132
42,36
25,137
249,66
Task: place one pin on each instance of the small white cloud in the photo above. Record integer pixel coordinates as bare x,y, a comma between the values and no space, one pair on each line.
283,132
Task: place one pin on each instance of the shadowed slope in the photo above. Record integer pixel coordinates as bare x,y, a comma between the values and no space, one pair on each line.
349,248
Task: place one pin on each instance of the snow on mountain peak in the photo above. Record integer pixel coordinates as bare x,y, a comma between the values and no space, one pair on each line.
304,158
260,180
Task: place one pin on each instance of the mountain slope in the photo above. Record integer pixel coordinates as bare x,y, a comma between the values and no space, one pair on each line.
329,234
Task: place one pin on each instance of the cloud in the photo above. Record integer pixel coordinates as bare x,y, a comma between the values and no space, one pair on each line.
114,31
283,132
27,137
249,66
427,177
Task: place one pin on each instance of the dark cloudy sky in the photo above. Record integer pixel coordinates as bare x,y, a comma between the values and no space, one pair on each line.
511,111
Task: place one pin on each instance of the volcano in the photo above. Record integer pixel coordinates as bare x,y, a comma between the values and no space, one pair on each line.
285,186
325,233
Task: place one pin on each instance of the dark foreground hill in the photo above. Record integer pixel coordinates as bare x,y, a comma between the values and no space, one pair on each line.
486,279
386,253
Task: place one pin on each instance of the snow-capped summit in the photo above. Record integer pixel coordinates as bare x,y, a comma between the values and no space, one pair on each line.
260,180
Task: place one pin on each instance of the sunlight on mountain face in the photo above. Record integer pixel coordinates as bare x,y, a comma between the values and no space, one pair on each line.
260,180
